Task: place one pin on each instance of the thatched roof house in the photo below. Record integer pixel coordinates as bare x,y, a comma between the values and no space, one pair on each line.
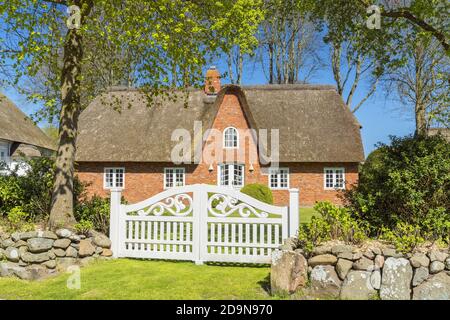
19,136
128,142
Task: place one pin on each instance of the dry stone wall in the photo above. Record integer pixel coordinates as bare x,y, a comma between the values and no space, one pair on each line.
340,271
38,254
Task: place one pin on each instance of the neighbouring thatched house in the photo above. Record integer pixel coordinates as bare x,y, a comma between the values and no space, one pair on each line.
319,141
19,136
445,132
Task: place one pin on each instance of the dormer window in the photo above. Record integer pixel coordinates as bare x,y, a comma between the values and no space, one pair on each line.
230,138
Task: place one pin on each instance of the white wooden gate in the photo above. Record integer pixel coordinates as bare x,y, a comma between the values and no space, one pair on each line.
201,223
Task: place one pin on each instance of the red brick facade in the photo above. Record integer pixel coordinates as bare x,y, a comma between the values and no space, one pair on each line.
143,180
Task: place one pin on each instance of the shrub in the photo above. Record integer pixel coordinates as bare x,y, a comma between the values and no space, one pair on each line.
18,221
258,191
84,226
33,191
406,182
404,236
335,223
96,211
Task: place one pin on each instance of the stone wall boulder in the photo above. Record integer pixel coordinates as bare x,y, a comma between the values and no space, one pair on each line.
363,264
357,286
436,287
12,254
396,279
343,266
86,249
289,271
323,259
325,282
100,240
35,257
419,260
436,267
38,245
62,243
420,275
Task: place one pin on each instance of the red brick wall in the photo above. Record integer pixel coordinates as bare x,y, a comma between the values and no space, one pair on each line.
143,180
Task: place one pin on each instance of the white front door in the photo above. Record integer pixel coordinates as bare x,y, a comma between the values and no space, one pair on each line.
231,175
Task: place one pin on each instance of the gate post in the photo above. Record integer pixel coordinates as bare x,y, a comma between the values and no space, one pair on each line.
199,231
294,213
114,220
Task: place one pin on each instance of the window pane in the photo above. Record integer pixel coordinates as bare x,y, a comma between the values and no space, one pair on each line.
238,171
339,178
329,178
283,178
119,178
273,179
230,138
179,177
109,178
224,176
169,178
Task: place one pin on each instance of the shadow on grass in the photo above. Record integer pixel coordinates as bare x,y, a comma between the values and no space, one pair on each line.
265,283
216,264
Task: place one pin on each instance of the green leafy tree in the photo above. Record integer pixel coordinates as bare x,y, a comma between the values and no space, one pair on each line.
149,41
406,183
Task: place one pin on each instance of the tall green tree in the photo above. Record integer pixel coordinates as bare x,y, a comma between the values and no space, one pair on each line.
149,37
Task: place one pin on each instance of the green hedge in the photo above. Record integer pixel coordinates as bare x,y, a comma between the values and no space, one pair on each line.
258,191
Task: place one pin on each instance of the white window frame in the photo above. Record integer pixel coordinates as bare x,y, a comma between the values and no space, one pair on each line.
273,171
174,174
230,174
225,141
334,170
115,169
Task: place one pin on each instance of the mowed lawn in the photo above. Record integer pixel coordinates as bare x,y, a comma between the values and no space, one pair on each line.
306,214
144,279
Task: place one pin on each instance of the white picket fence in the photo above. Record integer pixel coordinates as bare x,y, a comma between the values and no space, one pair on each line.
201,223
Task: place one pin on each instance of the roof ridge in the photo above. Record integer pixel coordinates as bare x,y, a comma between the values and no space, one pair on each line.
295,86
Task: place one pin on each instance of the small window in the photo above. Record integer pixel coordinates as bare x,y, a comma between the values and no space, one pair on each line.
230,138
114,178
4,154
334,178
173,177
279,178
231,175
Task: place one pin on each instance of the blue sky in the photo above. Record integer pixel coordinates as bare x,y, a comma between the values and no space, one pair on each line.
380,116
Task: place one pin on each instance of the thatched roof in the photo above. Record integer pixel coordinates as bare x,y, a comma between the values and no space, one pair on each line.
445,132
16,126
313,122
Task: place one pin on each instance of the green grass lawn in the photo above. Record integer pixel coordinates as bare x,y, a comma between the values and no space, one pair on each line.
145,279
306,214
140,279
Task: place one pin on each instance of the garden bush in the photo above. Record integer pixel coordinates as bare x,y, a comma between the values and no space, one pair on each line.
33,191
93,212
258,191
18,221
334,223
405,185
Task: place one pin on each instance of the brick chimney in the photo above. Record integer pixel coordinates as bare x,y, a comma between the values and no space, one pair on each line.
212,81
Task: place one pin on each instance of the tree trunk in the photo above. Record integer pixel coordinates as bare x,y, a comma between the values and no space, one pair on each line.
61,212
421,123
